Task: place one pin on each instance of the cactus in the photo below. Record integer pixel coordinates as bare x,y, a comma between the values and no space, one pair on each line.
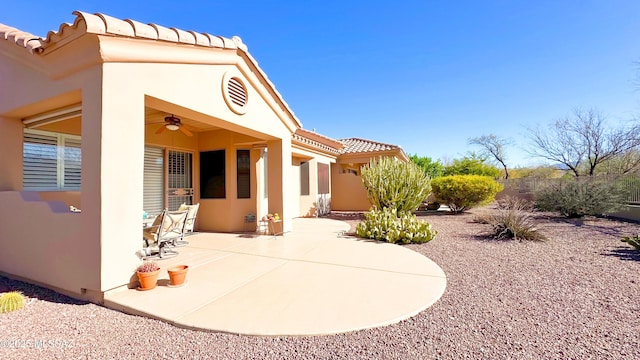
11,301
395,184
633,241
148,266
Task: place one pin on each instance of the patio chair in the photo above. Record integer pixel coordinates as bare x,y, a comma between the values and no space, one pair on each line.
166,230
191,216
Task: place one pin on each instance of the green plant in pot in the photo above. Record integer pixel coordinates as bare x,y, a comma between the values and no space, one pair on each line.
148,273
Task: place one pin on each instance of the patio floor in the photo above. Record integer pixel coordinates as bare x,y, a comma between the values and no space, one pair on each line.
311,281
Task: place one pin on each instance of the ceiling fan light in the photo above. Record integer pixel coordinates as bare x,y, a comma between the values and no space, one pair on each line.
172,127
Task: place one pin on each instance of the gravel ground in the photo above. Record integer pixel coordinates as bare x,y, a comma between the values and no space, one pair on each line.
575,296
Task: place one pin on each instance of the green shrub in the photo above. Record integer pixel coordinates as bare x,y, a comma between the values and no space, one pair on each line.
461,192
433,169
11,301
512,220
633,241
391,226
394,184
575,198
471,165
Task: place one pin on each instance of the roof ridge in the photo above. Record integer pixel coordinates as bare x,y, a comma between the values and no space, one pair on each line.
99,23
370,141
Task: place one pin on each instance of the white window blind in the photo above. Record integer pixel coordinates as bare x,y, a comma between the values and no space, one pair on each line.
153,194
72,157
51,161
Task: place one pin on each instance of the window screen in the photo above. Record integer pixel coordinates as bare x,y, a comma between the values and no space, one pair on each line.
243,172
212,174
304,178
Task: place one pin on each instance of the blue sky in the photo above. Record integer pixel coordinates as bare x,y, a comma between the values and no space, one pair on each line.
426,75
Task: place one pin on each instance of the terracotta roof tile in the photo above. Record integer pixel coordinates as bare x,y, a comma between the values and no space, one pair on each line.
318,141
357,145
19,37
107,25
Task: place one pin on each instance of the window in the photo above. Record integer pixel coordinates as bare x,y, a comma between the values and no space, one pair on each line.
243,172
265,172
323,178
153,191
179,180
51,161
212,175
304,178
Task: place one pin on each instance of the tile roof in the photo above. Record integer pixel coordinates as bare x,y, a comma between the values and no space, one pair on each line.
357,145
21,38
316,140
106,25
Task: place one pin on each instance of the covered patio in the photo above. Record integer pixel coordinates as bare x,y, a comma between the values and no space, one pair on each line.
312,281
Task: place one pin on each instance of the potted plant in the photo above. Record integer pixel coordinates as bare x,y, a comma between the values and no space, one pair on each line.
177,274
148,273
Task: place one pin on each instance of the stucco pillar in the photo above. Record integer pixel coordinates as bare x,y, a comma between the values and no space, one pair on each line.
11,150
279,175
112,175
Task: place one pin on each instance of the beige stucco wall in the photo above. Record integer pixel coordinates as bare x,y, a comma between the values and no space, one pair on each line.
227,214
41,240
348,192
308,203
94,251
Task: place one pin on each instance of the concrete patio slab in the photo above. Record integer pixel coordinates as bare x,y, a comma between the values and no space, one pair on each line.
311,281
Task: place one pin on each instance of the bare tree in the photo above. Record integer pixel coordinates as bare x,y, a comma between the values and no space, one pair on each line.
621,164
583,141
493,146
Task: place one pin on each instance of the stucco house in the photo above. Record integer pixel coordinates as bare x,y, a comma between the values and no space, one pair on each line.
116,118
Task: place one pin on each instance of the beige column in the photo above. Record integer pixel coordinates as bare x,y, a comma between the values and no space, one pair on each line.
279,175
112,175
11,150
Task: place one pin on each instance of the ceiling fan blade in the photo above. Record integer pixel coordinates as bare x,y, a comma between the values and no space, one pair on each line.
185,131
161,129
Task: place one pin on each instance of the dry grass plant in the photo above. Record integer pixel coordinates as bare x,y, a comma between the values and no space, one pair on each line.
512,219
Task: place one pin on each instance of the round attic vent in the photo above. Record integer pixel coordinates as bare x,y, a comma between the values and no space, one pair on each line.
235,94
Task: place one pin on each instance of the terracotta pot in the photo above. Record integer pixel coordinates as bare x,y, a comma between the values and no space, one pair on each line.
177,274
148,280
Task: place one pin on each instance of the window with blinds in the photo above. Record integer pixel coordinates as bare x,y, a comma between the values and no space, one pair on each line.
153,193
243,173
51,161
304,178
323,178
